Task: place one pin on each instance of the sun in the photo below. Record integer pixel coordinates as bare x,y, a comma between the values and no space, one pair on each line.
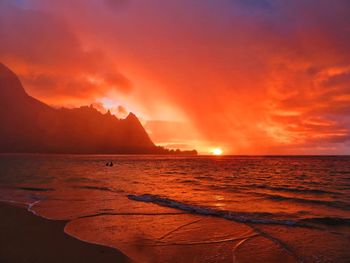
216,151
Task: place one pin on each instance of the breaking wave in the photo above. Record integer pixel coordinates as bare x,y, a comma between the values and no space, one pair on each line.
254,218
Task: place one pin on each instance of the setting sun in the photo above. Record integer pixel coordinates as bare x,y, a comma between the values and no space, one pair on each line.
216,151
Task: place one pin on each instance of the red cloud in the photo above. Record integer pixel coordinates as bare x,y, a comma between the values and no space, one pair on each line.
273,82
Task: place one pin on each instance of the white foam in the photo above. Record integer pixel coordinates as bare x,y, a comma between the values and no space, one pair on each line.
239,217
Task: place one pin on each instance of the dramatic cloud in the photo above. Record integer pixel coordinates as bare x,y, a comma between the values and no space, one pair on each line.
249,76
51,60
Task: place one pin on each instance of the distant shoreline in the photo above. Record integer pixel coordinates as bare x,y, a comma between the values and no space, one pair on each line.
101,154
181,154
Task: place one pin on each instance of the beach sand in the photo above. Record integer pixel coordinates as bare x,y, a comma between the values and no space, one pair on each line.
27,238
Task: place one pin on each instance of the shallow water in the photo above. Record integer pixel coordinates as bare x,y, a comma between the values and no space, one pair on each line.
192,209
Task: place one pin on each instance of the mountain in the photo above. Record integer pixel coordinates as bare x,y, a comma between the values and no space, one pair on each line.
30,126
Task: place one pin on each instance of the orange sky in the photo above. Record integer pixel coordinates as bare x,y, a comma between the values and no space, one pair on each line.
249,76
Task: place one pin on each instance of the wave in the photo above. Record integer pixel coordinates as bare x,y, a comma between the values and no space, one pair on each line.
242,217
36,189
331,221
260,218
336,204
294,190
99,188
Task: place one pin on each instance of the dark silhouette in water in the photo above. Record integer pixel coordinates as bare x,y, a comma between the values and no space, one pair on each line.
30,126
109,164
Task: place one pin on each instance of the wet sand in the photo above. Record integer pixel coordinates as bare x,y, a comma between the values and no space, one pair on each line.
27,238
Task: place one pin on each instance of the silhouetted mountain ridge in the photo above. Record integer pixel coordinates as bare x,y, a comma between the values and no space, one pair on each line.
30,126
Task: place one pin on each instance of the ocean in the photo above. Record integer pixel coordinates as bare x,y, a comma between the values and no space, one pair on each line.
192,209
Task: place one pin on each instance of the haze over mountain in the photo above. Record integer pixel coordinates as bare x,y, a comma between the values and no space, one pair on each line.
30,126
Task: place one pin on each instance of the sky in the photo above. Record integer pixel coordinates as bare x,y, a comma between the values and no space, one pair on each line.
246,76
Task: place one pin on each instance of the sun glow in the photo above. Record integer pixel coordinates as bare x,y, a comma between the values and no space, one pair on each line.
216,151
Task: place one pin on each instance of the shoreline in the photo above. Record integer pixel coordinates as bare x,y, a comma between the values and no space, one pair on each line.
26,237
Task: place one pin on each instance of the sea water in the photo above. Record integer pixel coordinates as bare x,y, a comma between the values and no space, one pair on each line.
192,209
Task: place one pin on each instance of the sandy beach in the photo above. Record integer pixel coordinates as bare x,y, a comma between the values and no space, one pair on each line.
28,238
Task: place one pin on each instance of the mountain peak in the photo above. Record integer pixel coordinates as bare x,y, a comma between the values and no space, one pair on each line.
10,85
132,118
